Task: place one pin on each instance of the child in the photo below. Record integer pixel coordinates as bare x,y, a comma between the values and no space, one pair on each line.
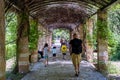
54,52
64,50
45,52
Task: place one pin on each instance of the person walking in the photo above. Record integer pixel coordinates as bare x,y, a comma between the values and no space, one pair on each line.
54,52
64,50
75,49
45,52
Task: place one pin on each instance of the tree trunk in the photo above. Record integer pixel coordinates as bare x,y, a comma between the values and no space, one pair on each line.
2,41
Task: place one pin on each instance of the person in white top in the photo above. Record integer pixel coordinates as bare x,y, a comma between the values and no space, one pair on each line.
54,51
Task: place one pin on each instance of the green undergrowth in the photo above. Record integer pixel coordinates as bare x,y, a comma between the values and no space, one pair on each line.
12,76
113,68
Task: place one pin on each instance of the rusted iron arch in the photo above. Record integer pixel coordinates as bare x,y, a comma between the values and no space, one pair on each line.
39,6
86,1
8,5
100,2
82,2
46,12
37,14
41,14
13,5
105,1
60,27
92,8
62,3
53,1
49,21
110,3
66,25
83,5
74,17
38,9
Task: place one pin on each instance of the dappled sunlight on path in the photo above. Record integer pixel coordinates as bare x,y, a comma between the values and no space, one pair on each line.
62,70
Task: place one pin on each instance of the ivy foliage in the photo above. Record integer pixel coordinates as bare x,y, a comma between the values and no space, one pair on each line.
10,35
61,33
89,37
102,28
34,35
110,33
94,31
114,25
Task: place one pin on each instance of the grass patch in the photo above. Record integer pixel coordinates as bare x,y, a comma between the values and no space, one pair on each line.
9,75
113,69
12,76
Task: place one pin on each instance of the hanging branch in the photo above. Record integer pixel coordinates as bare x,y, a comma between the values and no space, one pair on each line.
9,20
8,5
11,42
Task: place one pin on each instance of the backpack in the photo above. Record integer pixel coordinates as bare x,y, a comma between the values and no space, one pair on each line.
64,48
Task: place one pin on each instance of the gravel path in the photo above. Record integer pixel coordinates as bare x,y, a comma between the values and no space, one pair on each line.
62,70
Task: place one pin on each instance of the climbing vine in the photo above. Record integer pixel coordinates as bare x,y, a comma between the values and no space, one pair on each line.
88,37
34,34
102,29
114,24
10,34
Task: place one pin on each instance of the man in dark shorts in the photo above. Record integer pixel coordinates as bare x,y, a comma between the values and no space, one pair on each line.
75,52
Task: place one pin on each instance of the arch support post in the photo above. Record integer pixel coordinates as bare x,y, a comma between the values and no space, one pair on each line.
44,36
102,33
40,43
80,30
50,38
22,41
2,41
82,37
70,34
89,40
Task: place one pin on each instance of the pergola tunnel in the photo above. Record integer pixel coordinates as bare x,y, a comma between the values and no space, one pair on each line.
38,22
